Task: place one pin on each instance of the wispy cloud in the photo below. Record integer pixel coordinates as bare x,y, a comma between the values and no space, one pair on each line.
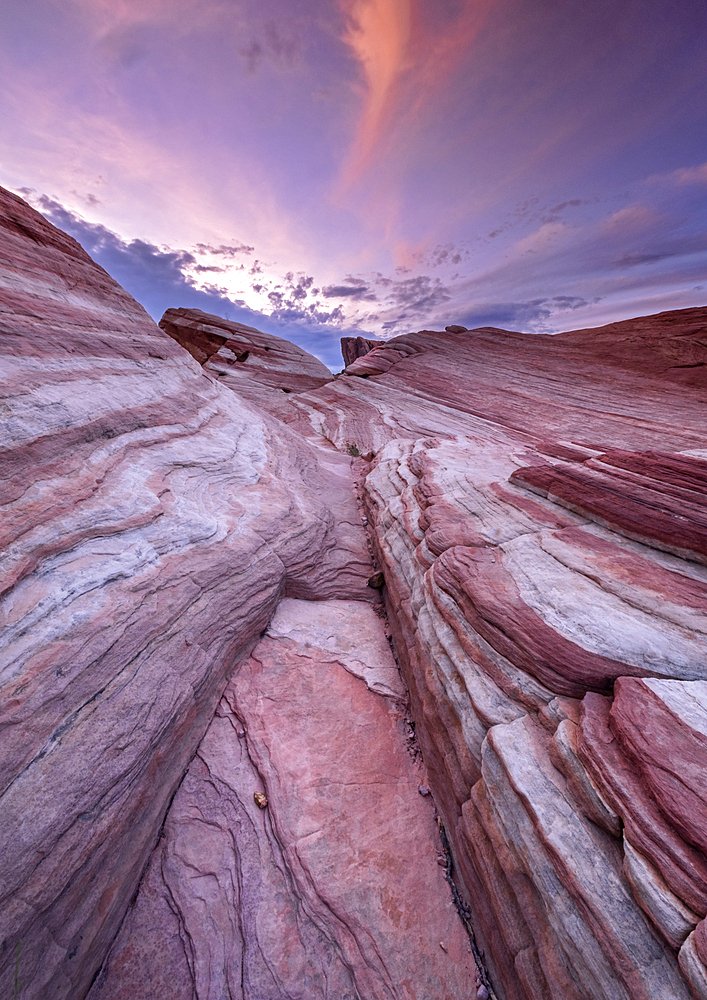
378,33
404,55
369,165
161,277
683,176
352,288
271,45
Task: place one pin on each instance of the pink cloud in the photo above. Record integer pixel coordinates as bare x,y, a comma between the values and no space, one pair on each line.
690,175
405,55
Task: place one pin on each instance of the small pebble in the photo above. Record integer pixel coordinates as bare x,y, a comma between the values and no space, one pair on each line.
423,790
261,799
482,993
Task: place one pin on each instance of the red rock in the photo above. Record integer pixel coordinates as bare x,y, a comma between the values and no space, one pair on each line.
334,889
619,776
356,347
504,601
262,368
653,498
491,603
151,522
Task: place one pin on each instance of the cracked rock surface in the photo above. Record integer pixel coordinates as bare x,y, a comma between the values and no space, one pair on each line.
538,508
152,523
333,890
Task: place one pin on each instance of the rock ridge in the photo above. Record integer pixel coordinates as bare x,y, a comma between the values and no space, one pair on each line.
540,537
154,522
208,788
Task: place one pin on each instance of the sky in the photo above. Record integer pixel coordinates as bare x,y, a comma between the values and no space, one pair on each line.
328,168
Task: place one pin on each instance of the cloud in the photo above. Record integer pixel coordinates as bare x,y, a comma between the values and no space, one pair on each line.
156,276
449,254
378,33
355,288
161,278
632,218
421,293
224,249
683,176
408,303
662,247
405,52
531,316
88,199
270,44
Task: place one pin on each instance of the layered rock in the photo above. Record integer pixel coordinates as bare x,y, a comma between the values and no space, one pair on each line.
356,347
187,617
258,366
330,891
537,506
153,522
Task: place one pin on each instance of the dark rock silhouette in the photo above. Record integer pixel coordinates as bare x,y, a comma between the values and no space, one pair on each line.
356,347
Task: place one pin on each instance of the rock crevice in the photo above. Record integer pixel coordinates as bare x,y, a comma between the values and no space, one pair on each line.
208,784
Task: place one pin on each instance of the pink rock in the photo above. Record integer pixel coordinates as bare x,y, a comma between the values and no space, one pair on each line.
333,890
262,368
356,347
505,600
535,505
151,522
653,498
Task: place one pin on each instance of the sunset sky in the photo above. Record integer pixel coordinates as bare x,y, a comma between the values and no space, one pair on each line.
319,169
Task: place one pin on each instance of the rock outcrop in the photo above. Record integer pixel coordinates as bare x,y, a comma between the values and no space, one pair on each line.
153,522
356,347
258,366
214,779
537,506
332,890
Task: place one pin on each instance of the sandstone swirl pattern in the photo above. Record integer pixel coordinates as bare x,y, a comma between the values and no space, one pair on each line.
187,622
152,521
538,506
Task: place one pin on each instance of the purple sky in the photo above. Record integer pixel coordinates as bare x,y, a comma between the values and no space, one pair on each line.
369,166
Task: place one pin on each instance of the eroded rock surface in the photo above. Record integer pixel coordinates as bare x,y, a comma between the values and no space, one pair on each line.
332,890
356,347
537,507
151,523
258,366
187,615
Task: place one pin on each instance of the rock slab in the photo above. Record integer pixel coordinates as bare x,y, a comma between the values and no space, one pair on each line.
332,890
151,522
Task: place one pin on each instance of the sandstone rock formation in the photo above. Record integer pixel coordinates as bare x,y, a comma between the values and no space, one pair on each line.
152,522
537,505
356,347
258,366
316,895
211,776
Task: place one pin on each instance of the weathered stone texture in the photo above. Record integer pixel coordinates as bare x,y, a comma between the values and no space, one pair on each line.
356,347
333,890
186,613
538,508
260,367
151,523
